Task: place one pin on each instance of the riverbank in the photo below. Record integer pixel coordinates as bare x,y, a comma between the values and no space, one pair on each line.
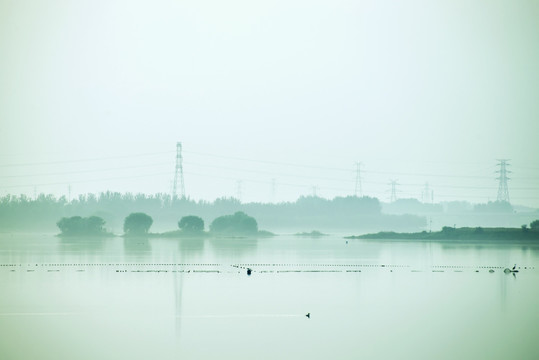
464,233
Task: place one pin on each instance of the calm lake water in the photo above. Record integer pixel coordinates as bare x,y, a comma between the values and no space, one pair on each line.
192,299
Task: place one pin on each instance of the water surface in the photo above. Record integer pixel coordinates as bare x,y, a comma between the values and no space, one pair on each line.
165,299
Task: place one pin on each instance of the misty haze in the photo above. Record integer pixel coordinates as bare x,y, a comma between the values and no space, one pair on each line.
269,180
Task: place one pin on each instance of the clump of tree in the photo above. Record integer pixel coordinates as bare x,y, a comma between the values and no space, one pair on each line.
534,225
314,233
237,224
76,225
191,224
137,224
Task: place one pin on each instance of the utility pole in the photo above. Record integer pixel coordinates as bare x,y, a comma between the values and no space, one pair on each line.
503,190
178,174
358,180
393,184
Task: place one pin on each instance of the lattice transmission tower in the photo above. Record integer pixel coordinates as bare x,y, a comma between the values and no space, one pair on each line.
393,184
239,191
503,189
427,195
358,190
178,174
273,189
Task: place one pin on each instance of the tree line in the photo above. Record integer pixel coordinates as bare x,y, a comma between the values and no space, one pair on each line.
21,213
41,213
139,223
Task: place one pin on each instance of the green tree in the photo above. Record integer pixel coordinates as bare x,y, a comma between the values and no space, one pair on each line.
77,225
70,225
239,223
95,224
137,223
534,225
191,224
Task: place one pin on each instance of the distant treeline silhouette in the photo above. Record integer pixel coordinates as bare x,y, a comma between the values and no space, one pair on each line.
20,213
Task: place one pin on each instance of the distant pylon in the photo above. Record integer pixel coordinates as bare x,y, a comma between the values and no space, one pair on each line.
358,189
273,188
426,193
503,190
178,174
393,184
238,190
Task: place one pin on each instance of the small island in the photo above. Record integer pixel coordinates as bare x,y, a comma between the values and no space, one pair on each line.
464,233
92,226
313,234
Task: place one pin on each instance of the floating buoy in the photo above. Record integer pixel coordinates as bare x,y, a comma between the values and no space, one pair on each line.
249,271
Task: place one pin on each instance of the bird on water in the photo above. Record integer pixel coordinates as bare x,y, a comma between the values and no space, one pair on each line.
308,315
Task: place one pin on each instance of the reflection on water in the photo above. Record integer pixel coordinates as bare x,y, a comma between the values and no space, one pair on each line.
192,298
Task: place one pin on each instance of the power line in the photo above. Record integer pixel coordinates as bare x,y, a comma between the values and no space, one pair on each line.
86,171
333,168
243,170
85,160
84,181
343,190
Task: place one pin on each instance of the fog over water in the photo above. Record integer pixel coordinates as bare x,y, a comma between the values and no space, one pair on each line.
284,97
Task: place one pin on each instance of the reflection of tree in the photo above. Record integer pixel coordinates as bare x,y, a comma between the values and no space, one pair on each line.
234,246
190,244
82,244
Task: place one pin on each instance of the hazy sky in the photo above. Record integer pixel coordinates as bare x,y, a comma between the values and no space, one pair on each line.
95,94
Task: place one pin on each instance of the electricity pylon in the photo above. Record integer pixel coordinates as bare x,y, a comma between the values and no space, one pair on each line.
393,184
358,189
178,174
503,189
